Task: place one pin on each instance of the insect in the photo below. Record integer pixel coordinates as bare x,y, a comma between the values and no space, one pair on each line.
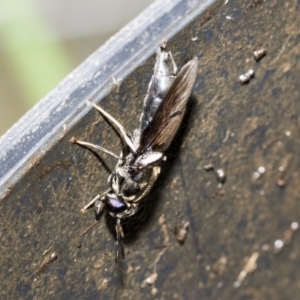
142,154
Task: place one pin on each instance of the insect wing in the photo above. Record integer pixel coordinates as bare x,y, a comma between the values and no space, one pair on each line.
161,131
165,71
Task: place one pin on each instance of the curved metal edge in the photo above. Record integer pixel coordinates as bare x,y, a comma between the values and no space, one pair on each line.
40,128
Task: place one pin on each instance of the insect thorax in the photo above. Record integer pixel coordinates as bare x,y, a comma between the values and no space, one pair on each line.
132,184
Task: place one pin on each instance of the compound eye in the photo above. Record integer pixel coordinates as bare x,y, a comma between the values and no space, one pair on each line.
114,204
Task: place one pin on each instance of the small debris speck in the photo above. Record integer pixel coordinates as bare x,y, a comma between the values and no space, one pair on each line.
209,167
53,256
258,54
250,267
181,231
256,175
162,219
244,78
281,183
295,226
265,247
221,176
278,244
154,291
151,279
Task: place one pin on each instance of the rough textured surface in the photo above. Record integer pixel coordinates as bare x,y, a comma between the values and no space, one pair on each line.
238,128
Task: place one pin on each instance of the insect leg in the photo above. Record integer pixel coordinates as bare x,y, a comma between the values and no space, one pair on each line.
99,207
120,239
92,202
121,129
89,145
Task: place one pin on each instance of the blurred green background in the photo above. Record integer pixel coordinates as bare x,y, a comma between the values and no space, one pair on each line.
41,41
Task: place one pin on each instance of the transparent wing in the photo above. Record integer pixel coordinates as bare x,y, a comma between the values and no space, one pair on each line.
165,71
160,132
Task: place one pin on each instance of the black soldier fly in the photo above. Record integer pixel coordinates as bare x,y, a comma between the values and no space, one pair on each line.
142,154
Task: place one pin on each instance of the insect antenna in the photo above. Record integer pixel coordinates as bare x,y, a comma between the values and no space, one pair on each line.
90,145
125,138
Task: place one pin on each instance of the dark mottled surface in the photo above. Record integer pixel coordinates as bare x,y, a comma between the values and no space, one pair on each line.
238,128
